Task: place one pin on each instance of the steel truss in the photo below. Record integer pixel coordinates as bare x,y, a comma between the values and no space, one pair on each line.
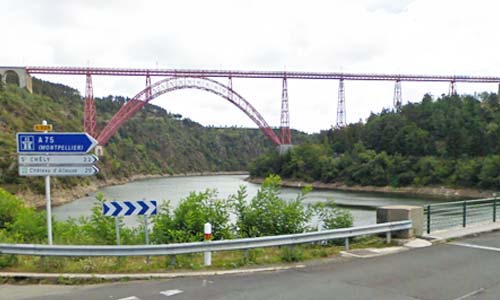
177,83
259,74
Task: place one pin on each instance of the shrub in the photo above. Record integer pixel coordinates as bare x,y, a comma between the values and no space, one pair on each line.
267,213
331,216
186,222
9,208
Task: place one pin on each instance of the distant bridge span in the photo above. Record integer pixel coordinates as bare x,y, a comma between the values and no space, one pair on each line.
204,80
260,74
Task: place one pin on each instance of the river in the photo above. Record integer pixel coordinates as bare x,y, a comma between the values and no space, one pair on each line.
174,189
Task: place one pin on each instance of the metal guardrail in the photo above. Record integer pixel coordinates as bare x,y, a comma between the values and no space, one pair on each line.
459,213
196,247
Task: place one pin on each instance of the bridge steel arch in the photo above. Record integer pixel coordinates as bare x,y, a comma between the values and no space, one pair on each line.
177,83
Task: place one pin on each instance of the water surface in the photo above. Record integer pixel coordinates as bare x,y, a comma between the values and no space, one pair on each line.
173,189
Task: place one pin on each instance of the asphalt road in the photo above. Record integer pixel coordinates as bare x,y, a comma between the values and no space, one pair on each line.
468,269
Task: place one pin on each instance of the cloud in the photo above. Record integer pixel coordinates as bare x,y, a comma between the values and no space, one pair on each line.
366,36
389,6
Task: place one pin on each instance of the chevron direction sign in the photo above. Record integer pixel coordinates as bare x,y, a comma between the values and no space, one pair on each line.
129,208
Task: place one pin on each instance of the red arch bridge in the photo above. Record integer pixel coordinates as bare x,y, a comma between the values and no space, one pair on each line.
176,79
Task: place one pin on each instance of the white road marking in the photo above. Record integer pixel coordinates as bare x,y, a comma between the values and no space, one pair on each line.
476,246
206,282
169,293
470,294
130,298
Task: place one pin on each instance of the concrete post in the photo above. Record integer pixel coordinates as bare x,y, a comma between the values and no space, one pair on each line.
401,213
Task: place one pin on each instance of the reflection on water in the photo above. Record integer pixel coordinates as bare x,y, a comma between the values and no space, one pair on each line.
176,188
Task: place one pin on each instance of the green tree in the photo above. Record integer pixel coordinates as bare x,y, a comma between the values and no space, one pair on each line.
489,176
267,213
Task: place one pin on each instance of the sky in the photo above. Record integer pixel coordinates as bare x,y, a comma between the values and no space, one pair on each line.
442,37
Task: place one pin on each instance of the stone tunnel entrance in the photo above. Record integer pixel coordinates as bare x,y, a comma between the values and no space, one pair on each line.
17,76
11,77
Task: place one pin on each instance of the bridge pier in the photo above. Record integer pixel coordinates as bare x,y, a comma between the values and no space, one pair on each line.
453,89
498,94
341,116
89,114
285,134
284,148
398,96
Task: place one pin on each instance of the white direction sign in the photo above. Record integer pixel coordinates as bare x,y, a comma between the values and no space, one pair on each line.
57,159
58,170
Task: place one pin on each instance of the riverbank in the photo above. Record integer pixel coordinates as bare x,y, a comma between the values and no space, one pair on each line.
61,196
435,191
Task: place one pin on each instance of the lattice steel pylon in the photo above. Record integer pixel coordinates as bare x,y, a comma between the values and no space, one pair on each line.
285,134
89,113
148,86
341,115
230,86
398,96
452,90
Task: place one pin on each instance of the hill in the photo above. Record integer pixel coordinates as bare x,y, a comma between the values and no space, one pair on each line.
446,141
153,142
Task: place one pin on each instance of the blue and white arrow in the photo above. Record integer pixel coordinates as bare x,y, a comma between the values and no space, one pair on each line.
129,208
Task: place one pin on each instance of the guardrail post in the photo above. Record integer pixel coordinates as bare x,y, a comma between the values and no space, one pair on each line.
464,214
428,219
146,235
388,237
208,236
246,255
495,209
346,244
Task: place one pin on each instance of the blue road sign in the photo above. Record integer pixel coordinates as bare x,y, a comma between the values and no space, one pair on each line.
55,142
129,208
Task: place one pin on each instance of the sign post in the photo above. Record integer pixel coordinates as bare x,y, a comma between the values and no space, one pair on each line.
117,231
47,195
54,154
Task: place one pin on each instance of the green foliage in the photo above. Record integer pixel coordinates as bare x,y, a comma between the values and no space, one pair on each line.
186,222
264,214
6,260
292,254
23,224
100,227
9,208
152,142
451,141
28,227
331,216
268,214
489,175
